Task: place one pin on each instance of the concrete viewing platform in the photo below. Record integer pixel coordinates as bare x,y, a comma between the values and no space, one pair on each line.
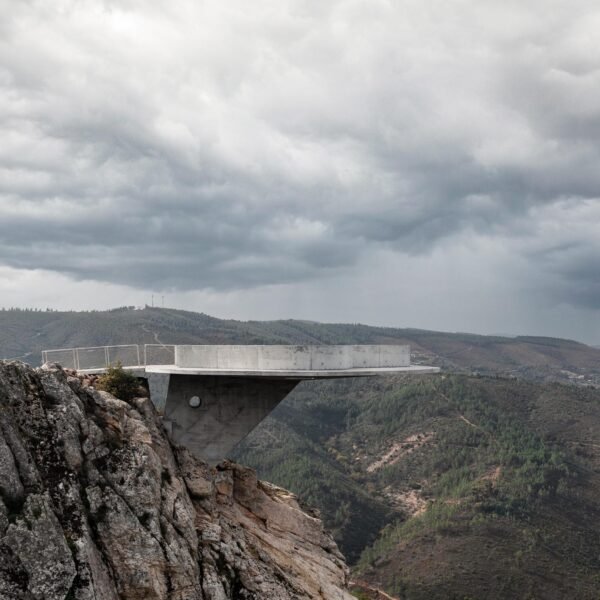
290,362
212,396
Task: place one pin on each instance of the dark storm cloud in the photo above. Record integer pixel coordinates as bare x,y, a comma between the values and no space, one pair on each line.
203,147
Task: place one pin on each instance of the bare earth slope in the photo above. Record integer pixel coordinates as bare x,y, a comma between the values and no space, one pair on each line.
95,503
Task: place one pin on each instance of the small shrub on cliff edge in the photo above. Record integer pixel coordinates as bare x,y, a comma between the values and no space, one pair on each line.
118,382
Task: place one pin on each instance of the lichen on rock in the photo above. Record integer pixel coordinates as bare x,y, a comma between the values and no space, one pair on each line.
97,504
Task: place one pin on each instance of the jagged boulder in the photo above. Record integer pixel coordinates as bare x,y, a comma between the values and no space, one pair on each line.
96,504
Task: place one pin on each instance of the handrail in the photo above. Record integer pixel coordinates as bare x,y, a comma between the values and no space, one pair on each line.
133,360
95,347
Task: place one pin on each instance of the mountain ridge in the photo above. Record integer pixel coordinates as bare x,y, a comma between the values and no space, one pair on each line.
26,333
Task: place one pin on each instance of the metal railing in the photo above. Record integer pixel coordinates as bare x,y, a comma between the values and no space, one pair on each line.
102,357
159,354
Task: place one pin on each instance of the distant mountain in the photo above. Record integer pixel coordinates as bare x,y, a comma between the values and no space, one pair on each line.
26,333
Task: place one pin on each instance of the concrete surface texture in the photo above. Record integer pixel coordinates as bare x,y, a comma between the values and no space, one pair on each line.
291,358
211,415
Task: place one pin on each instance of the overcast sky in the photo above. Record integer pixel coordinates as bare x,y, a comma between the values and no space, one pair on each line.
417,163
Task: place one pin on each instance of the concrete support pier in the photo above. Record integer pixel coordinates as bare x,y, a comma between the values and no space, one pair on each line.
210,415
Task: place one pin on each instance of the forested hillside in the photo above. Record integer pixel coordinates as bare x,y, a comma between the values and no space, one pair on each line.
474,487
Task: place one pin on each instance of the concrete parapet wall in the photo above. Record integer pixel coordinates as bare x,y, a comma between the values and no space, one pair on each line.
394,356
197,355
324,358
293,358
238,357
284,358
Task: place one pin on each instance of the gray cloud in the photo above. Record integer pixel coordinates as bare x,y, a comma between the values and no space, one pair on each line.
206,146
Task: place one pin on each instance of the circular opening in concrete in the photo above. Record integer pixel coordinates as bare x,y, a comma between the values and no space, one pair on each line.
195,402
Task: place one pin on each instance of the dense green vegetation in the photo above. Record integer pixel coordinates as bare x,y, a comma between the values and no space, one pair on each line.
496,460
119,382
483,438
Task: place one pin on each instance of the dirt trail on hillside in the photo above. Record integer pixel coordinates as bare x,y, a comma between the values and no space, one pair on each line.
400,449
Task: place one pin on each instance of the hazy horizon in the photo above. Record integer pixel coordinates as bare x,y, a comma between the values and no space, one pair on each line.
284,318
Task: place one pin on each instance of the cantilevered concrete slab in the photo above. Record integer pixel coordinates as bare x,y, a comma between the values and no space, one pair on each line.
290,362
212,396
218,394
289,373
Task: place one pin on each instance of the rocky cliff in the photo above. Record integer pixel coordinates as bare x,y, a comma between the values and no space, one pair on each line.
95,503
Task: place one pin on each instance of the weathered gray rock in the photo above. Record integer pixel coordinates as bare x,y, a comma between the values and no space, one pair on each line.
11,488
3,518
37,539
96,504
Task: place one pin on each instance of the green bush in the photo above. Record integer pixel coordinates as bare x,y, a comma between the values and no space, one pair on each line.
119,382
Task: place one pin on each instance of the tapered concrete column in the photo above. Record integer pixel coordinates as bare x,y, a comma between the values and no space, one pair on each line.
158,385
210,415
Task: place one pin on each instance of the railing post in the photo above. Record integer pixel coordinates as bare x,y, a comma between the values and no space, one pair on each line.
137,347
106,357
145,355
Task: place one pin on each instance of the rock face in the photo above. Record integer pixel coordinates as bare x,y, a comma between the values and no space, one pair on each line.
96,504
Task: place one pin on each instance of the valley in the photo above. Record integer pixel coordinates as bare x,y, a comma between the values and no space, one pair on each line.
480,482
